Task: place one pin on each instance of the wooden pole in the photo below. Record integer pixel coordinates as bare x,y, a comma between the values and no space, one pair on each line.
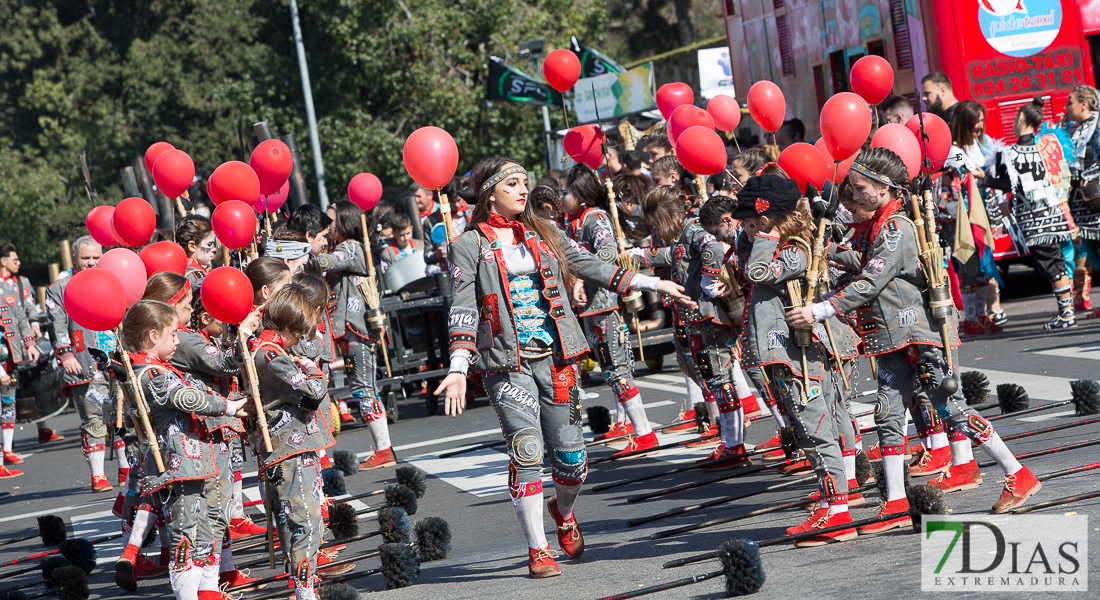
55,272
66,255
370,289
448,221
254,391
139,403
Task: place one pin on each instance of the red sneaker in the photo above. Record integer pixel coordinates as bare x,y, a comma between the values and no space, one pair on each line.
345,417
381,458
242,527
147,569
6,473
814,517
122,475
813,499
835,519
893,506
324,559
540,563
751,406
1019,486
874,453
124,568
795,468
772,443
988,326
855,498
116,510
46,436
774,455
972,328
713,441
620,430
615,430
688,416
569,533
11,458
100,484
325,462
644,442
958,478
911,451
930,462
725,452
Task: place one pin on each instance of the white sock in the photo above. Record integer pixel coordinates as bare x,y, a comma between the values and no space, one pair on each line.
529,511
961,452
322,453
380,430
849,467
209,581
636,413
185,582
837,508
936,441
712,410
120,454
237,509
227,558
733,428
780,420
9,435
305,592
143,520
95,461
695,393
567,498
621,415
893,466
740,383
343,406
998,451
970,305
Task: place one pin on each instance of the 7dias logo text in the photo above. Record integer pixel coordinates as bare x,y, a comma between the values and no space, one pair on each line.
1020,553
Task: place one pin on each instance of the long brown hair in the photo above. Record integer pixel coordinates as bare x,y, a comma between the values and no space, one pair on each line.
546,232
141,318
665,208
963,121
585,184
631,189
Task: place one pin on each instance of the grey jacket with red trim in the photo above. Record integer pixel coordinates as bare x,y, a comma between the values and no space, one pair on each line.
593,232
481,318
16,330
344,269
291,397
693,257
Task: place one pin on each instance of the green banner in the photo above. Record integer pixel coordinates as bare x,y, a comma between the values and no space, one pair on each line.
593,62
509,84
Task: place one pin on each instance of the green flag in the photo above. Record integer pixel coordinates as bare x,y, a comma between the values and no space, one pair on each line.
509,84
593,62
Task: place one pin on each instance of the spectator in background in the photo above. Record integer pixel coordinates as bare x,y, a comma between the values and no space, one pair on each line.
938,96
612,161
897,109
792,132
657,145
632,164
1080,122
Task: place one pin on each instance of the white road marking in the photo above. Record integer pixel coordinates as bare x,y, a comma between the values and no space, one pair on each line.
670,378
1089,351
60,509
664,387
1037,386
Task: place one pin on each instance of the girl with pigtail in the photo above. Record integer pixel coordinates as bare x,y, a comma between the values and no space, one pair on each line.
511,320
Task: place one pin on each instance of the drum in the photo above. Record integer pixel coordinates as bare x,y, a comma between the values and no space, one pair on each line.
38,395
407,275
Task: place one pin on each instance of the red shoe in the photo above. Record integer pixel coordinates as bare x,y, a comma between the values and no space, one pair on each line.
644,442
213,595
569,533
325,462
100,484
11,458
772,443
688,416
989,326
122,475
795,468
931,462
615,430
774,455
1019,486
1094,314
46,436
814,517
381,458
324,510
713,441
124,568
147,569
855,498
324,559
116,510
893,506
726,453
242,527
540,563
972,329
958,478
345,417
874,453
835,519
6,473
751,406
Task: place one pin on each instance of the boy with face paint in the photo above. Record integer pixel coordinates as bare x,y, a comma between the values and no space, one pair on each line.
896,321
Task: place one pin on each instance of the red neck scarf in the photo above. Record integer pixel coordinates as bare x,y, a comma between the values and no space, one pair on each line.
268,337
865,233
519,233
425,213
148,358
194,264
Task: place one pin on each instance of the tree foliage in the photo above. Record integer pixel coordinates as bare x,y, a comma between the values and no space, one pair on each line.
110,77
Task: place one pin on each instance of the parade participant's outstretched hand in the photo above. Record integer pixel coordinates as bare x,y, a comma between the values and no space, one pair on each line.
800,317
676,292
454,387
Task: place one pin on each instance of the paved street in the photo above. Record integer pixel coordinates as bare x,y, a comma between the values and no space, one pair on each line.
489,557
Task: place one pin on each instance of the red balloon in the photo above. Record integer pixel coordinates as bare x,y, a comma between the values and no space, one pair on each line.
805,165
272,162
767,105
898,138
671,96
95,299
272,202
845,123
872,78
365,190
99,225
431,156
163,256
233,180
685,117
837,172
133,222
155,151
562,69
584,139
234,223
592,159
701,151
173,172
227,294
725,111
130,270
938,146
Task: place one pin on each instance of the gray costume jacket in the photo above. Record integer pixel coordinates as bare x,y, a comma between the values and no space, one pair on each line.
888,294
291,397
72,340
593,231
344,268
173,405
22,284
204,360
16,330
480,318
695,255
